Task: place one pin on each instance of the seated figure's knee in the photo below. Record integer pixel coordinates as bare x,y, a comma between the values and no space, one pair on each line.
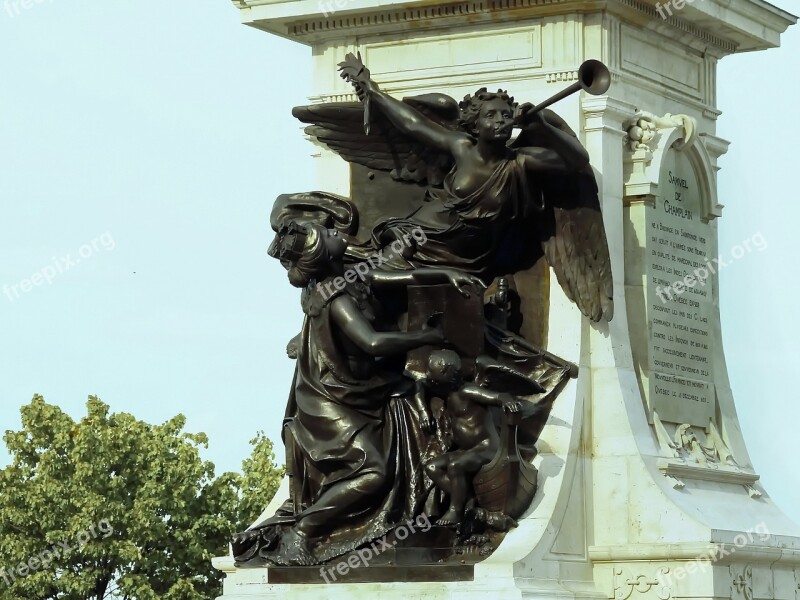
372,482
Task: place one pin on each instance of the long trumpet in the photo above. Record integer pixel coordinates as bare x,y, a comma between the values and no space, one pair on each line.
593,77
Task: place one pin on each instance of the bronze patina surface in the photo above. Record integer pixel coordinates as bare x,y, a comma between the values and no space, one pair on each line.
417,399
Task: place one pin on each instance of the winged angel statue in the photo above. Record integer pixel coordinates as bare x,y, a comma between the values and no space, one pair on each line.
491,206
415,393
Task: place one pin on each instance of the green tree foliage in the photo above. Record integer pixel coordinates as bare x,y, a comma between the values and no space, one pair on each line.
112,507
261,479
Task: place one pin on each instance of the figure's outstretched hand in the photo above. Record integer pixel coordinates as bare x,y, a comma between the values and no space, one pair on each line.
353,70
352,66
512,406
462,281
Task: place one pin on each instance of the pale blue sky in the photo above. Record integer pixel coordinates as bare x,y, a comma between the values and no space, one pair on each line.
167,126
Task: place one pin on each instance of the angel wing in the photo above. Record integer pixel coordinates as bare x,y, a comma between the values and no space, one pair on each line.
573,235
339,126
574,243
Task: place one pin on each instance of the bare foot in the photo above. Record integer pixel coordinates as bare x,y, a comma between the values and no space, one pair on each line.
451,517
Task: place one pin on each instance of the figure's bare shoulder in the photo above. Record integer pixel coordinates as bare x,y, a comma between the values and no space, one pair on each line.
462,143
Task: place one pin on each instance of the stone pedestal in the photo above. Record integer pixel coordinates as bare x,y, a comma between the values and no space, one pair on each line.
646,489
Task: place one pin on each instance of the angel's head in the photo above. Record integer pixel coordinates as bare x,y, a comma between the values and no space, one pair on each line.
488,116
308,251
444,369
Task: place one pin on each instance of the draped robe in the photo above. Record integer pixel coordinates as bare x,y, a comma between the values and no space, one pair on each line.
478,233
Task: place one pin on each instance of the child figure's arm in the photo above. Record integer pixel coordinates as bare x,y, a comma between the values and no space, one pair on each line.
422,408
487,397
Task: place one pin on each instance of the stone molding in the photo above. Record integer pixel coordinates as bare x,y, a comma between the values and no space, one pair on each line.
306,21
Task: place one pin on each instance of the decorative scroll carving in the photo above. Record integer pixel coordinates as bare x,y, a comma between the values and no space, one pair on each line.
625,584
742,585
644,128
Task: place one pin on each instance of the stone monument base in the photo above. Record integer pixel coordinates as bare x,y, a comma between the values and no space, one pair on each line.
407,584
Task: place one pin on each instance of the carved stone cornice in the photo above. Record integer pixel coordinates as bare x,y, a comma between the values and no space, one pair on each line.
433,14
684,25
753,24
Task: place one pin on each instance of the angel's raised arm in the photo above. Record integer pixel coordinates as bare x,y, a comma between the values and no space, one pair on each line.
414,124
404,117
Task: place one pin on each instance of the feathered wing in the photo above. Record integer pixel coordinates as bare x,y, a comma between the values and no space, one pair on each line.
572,233
574,242
340,126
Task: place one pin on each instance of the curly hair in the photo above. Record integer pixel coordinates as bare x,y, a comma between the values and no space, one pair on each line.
444,365
471,106
312,262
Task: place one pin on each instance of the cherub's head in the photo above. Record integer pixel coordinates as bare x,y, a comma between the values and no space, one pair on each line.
307,251
444,368
488,115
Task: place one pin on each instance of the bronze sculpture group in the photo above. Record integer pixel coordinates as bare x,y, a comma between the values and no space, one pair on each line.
416,391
